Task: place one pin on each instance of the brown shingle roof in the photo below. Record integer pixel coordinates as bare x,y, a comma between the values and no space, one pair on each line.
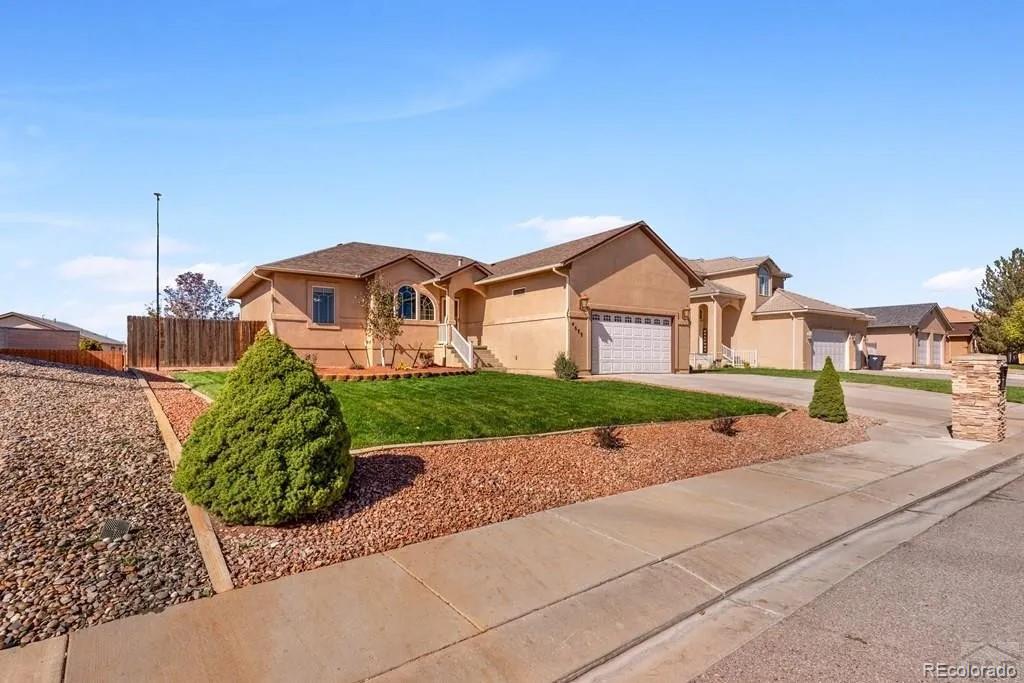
959,315
711,266
354,259
903,315
785,301
559,253
712,287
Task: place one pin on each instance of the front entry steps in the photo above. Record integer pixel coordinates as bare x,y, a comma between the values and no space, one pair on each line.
486,361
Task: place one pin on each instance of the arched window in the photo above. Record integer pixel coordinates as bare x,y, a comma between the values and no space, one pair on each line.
426,308
764,282
406,302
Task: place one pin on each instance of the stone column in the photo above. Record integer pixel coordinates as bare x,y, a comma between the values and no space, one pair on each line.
979,397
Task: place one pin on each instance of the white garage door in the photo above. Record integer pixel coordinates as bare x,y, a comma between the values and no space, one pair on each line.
936,349
627,342
826,343
922,349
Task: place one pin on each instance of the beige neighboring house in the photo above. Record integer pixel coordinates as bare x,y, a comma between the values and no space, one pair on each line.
960,340
616,301
909,334
743,315
23,331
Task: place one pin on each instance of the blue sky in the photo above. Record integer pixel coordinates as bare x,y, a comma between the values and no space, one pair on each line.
875,150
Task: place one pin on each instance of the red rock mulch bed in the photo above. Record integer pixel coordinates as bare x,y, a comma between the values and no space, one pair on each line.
378,373
181,405
402,496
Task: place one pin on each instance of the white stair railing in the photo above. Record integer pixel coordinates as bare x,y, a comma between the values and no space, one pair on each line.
461,345
739,357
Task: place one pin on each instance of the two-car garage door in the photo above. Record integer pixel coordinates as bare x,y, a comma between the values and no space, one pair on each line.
625,342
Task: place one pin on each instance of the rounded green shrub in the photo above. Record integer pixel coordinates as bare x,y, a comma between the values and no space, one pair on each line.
828,403
273,447
565,368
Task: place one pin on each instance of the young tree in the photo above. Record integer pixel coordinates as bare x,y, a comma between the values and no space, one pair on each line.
1000,289
1013,326
382,322
828,402
194,296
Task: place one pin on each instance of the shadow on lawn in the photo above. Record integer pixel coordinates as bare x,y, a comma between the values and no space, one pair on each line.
377,476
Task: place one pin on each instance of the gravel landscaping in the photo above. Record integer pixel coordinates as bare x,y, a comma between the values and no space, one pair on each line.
413,494
402,496
78,448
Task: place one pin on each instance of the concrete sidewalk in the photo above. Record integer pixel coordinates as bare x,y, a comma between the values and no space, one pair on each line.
534,598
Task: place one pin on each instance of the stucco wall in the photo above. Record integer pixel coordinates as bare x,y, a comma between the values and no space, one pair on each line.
526,331
255,304
897,344
629,274
781,342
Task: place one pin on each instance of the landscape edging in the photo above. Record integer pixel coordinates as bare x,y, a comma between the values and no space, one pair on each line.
202,526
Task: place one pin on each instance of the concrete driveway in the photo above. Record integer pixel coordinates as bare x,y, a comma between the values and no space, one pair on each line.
909,406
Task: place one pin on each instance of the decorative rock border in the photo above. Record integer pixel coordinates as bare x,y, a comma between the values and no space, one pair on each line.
202,527
391,374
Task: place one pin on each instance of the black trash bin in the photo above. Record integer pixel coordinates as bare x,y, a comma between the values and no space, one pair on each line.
875,361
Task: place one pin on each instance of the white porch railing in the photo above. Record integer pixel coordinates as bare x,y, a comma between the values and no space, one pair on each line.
739,357
449,335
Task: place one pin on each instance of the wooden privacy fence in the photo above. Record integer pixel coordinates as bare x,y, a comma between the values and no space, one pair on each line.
189,342
103,360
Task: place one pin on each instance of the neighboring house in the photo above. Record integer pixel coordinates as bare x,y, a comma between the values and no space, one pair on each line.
63,335
742,314
911,334
960,340
617,301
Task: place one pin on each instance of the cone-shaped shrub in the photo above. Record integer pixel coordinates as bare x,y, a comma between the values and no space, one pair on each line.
273,447
828,403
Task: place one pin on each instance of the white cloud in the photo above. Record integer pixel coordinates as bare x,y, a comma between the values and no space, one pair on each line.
562,229
438,236
118,274
963,279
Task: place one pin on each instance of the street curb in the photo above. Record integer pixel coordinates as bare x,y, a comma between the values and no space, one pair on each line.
634,642
202,526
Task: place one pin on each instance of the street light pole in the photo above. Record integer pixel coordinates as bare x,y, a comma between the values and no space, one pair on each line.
157,195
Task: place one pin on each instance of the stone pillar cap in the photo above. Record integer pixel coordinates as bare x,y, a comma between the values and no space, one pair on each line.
980,356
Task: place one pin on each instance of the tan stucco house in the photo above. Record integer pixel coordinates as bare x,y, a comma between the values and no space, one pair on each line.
24,331
616,301
909,334
961,338
742,314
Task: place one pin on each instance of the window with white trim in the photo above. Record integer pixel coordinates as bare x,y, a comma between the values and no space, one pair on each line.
323,306
406,302
426,311
764,282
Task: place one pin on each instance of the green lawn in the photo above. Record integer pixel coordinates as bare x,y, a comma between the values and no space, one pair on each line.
941,386
495,404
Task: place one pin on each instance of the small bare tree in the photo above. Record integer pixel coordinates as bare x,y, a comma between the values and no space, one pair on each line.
382,321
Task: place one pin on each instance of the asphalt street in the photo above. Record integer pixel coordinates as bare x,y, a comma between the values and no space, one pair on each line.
952,595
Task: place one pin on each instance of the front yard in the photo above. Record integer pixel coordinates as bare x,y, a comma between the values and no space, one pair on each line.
941,386
496,404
